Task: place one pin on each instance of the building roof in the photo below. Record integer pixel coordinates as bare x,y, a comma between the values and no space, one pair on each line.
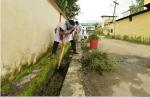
141,12
57,8
147,5
108,16
138,13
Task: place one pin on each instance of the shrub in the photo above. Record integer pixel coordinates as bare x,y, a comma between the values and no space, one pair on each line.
134,39
118,37
126,37
94,36
108,34
99,31
98,61
84,46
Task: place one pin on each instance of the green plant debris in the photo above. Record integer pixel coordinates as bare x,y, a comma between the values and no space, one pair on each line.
98,61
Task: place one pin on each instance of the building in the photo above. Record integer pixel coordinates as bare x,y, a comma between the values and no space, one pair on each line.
27,32
137,24
146,2
106,20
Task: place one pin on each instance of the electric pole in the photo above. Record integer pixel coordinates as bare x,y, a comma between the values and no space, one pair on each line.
114,14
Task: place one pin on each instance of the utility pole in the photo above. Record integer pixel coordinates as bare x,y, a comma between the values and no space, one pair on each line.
114,14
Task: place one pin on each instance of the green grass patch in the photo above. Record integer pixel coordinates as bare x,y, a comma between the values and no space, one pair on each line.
46,64
5,88
49,66
133,39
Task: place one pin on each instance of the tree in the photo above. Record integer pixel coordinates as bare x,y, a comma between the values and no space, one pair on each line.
134,8
69,7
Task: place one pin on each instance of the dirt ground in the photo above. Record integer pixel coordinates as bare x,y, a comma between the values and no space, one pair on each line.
131,77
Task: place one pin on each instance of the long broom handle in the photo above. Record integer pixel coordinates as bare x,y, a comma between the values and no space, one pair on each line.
62,52
61,55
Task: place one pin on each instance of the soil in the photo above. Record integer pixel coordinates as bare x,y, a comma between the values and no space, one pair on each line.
131,76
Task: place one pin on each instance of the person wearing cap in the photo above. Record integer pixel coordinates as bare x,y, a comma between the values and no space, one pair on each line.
64,30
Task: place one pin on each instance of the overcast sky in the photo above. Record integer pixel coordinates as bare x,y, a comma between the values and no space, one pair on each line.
92,10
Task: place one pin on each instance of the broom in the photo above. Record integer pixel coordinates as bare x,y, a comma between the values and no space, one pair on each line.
61,55
62,52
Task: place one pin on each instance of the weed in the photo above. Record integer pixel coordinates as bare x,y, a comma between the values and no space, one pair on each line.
98,61
134,39
47,67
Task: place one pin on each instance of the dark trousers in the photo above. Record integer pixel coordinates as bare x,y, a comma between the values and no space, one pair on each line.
55,46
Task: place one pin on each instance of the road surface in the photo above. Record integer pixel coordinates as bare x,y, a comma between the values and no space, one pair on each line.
131,76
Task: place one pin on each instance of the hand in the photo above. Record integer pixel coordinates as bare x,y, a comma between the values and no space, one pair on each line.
72,30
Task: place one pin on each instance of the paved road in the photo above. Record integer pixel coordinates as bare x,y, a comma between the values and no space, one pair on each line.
132,75
125,48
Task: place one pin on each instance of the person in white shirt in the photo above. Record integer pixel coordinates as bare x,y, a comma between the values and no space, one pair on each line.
84,33
63,31
78,30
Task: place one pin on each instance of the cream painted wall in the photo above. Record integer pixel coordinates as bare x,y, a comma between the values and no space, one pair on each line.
27,32
146,1
139,26
0,41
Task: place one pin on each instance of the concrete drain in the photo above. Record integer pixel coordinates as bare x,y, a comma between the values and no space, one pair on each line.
54,84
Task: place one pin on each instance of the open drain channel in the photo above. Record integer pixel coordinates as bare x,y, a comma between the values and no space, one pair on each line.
54,84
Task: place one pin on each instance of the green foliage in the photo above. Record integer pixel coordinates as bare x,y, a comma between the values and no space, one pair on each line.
134,8
134,39
48,70
108,35
118,37
47,67
99,31
126,37
6,88
84,46
94,36
98,61
69,7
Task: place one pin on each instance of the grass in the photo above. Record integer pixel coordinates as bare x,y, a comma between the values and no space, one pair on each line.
133,39
47,67
96,60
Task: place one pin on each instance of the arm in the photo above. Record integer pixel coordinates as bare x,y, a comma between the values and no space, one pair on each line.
61,34
70,31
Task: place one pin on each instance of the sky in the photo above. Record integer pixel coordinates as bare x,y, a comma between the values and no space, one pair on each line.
92,10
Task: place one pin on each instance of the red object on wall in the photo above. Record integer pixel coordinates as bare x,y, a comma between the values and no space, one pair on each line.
94,43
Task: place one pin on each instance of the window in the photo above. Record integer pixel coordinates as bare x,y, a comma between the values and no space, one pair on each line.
130,18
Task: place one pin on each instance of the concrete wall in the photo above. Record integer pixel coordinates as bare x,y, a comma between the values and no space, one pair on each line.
139,26
27,32
106,20
0,40
146,1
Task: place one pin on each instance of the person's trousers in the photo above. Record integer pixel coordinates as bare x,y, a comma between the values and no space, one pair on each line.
55,46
